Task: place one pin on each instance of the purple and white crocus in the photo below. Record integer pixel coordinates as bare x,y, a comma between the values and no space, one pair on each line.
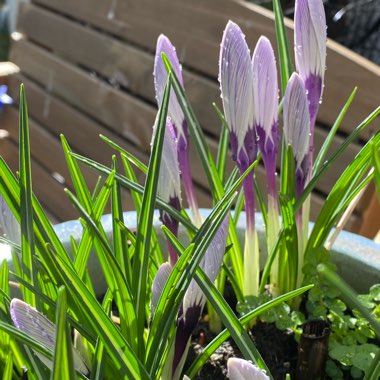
177,117
33,323
241,369
297,132
192,304
297,128
310,52
265,95
236,84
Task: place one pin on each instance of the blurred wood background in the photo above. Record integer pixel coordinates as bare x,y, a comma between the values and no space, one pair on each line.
87,68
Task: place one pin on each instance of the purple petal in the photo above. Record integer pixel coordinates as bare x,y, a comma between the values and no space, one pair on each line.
240,369
265,94
296,119
33,323
236,84
310,38
310,49
159,283
160,78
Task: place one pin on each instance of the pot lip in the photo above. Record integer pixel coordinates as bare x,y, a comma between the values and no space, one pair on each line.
346,241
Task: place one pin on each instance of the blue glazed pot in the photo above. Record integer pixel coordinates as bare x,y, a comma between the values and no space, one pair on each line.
357,258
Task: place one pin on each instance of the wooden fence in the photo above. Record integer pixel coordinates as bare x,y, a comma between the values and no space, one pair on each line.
87,68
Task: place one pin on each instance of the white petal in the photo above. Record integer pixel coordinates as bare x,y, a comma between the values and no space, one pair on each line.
310,38
33,323
265,86
296,118
159,283
240,369
236,81
169,185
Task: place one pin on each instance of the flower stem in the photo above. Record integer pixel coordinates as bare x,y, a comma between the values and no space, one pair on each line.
251,247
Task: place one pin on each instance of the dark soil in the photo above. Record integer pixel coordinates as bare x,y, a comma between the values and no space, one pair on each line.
278,349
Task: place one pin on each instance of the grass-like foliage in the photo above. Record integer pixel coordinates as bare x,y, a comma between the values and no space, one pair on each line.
139,324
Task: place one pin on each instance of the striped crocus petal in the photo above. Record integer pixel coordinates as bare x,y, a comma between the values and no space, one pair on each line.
265,95
310,49
297,124
169,185
236,84
160,78
194,299
158,285
240,369
33,323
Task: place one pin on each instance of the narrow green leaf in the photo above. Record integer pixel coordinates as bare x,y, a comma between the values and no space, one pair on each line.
330,138
63,362
116,346
145,221
286,67
26,210
133,186
326,165
124,153
79,183
98,361
221,158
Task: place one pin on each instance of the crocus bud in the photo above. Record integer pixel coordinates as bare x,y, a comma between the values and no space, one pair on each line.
310,49
160,78
33,323
265,95
177,118
236,84
194,300
169,184
240,369
158,285
297,126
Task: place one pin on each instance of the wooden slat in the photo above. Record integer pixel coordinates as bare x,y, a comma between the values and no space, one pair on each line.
58,117
202,91
196,28
47,189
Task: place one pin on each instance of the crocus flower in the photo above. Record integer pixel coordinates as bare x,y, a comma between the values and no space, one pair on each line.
240,369
236,84
297,127
193,302
265,95
33,323
310,50
177,117
169,185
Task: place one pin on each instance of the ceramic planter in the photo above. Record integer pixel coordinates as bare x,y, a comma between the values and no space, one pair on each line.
357,258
